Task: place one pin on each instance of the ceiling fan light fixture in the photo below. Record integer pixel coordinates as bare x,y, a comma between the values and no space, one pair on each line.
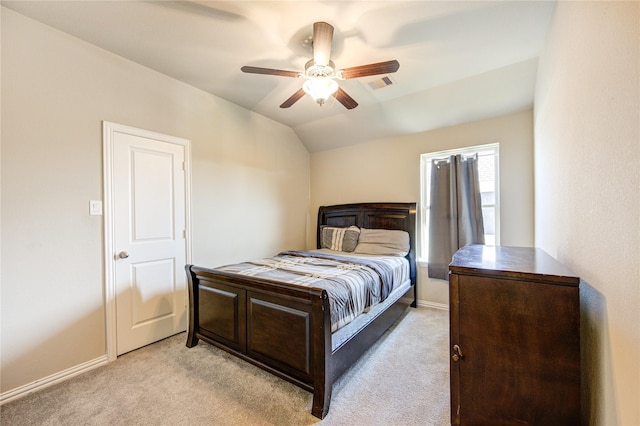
320,88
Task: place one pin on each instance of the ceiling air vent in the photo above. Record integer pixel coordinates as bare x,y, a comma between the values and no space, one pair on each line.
379,83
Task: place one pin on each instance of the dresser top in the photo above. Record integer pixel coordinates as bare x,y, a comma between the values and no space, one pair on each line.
511,262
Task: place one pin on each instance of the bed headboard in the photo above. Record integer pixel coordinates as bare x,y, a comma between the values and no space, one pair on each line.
400,216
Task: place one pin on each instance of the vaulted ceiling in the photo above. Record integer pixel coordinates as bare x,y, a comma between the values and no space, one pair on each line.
459,61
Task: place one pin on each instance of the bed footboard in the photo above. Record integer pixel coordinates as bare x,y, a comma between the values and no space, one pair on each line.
282,329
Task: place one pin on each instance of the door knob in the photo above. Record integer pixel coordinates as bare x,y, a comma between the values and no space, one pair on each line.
123,255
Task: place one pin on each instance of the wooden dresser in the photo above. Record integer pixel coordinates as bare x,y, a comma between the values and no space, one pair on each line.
514,338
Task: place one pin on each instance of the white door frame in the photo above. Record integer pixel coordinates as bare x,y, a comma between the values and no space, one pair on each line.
108,131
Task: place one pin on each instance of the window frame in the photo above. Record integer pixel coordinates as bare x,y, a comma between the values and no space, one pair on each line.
425,161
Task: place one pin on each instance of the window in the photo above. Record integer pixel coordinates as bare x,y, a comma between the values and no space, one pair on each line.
488,170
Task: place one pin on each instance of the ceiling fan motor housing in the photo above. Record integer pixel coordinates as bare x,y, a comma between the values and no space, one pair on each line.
313,70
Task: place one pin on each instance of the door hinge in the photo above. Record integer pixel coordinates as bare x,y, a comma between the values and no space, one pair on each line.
184,234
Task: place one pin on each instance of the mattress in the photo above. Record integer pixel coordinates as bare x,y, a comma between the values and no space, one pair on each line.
355,283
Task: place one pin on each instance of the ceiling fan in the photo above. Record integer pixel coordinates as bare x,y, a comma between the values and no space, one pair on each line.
321,73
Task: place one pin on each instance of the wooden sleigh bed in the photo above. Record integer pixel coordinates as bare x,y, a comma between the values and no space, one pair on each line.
285,329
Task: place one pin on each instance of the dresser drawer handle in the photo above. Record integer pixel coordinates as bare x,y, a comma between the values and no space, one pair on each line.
457,353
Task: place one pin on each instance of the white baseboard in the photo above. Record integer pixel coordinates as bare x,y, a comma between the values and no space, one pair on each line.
25,390
427,304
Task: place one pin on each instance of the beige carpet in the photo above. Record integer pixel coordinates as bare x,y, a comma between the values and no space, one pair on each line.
402,380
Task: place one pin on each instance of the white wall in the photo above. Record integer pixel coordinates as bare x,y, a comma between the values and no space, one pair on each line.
250,179
587,190
389,170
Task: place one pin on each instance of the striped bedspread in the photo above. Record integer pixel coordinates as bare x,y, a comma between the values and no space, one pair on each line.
353,284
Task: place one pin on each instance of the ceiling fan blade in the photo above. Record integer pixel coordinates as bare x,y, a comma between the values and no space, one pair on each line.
322,39
293,99
370,69
269,71
345,99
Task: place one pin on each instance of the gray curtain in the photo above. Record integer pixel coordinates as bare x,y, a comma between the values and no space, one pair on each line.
455,216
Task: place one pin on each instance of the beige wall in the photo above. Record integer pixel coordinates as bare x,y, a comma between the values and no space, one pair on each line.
587,196
389,170
250,189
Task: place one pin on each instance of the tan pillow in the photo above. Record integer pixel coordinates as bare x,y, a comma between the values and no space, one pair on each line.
385,242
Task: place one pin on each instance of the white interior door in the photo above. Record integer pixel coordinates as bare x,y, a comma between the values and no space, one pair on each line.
149,248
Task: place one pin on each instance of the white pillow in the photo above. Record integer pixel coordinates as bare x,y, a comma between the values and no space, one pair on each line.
385,242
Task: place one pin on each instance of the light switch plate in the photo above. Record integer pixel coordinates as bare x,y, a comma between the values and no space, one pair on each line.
95,208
